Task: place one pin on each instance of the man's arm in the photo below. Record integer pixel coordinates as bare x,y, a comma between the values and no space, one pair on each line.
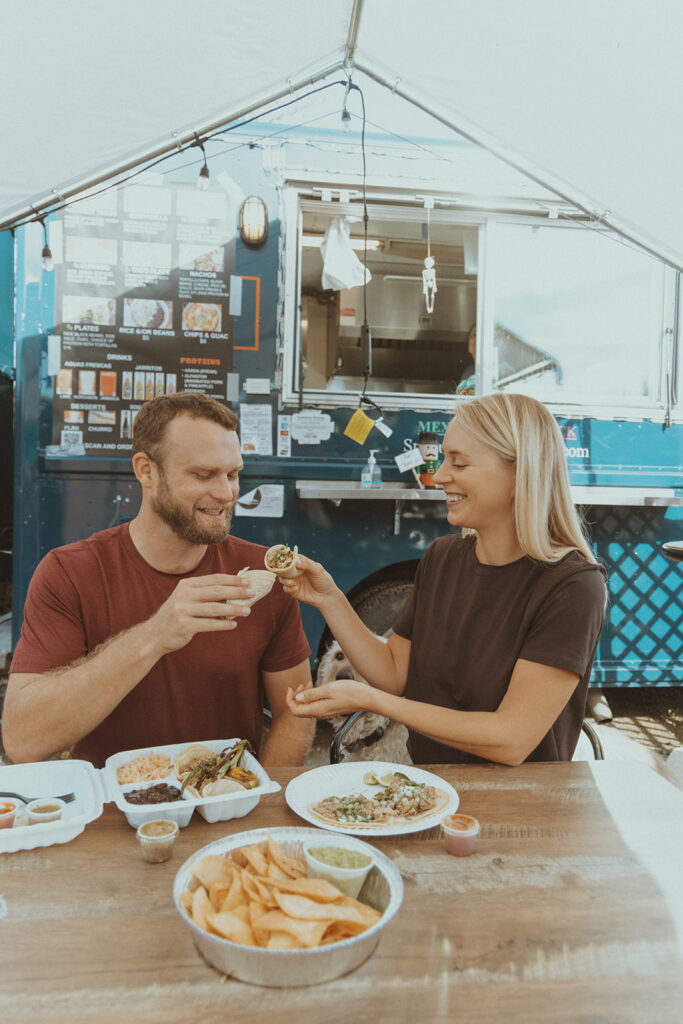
290,738
49,711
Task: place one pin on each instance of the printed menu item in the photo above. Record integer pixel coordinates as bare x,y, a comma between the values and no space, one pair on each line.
142,308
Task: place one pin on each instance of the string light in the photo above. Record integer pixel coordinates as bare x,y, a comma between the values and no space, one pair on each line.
345,116
203,180
46,255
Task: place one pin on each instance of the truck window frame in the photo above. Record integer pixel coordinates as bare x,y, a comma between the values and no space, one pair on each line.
301,196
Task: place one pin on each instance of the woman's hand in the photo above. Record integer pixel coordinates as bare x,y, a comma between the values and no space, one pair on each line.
315,586
339,698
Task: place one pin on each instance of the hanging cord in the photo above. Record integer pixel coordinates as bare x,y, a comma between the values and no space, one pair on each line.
365,329
167,156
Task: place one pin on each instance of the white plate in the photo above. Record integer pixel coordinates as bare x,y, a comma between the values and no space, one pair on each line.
222,807
52,778
345,779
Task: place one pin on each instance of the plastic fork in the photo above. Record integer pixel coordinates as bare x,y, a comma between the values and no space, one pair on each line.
66,797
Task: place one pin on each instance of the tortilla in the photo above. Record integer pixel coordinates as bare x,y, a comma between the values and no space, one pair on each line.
261,582
441,801
220,786
289,569
188,758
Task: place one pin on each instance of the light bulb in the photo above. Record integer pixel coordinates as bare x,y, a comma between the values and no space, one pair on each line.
203,179
46,258
346,120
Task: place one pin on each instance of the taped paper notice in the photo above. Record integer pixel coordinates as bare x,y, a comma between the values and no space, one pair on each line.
257,385
383,428
54,354
406,460
256,429
284,436
266,501
311,427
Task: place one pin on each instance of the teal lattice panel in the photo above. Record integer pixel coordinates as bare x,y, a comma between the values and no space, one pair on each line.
642,641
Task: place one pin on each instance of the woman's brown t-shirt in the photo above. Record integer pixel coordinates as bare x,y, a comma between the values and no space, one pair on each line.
468,623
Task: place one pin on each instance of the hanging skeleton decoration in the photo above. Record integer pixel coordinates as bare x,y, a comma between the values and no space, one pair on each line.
429,283
429,288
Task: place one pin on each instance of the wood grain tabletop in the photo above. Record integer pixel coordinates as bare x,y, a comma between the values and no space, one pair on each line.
570,909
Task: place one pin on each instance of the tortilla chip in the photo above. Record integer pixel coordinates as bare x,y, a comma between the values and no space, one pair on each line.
255,859
315,888
368,913
302,908
242,912
201,908
232,927
281,940
276,874
309,933
212,868
250,887
236,894
266,891
217,893
292,867
256,912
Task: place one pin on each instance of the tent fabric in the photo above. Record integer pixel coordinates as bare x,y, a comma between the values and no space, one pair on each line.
586,92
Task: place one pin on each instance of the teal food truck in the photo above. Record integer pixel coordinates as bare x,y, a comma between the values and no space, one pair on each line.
250,289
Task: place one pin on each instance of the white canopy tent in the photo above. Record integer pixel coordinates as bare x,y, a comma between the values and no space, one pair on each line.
582,95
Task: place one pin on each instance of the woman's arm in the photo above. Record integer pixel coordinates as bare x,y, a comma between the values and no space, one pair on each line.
383,665
537,694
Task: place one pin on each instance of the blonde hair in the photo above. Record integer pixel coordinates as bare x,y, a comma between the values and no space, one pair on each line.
525,436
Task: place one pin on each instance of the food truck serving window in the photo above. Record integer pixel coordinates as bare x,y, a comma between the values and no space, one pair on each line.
414,351
578,316
568,313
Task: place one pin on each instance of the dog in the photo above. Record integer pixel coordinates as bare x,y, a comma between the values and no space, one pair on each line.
373,737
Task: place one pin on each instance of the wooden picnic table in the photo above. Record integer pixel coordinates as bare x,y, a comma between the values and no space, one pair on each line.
571,909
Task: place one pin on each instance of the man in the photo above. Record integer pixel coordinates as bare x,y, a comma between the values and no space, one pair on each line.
130,638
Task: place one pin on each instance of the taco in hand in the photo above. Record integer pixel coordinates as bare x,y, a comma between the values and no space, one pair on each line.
281,560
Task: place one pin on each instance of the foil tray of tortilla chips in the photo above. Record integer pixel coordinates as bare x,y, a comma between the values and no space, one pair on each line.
221,778
317,959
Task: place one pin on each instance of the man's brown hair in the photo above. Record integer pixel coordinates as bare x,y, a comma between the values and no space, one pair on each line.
151,422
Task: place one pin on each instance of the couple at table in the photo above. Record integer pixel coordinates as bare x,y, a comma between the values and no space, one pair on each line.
131,637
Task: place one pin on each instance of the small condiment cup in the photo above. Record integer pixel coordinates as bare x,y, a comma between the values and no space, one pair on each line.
348,880
156,839
460,833
45,808
8,809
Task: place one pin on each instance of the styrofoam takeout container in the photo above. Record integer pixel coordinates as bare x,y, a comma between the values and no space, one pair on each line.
222,807
382,889
50,779
93,787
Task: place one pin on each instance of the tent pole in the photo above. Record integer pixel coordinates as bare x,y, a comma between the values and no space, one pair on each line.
177,142
562,189
352,38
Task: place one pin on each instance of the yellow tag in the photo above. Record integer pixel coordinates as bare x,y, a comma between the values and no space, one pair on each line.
359,426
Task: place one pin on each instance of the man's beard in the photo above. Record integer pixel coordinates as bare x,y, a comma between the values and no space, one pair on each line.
182,521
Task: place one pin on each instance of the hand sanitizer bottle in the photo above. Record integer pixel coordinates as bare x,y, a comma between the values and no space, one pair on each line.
371,475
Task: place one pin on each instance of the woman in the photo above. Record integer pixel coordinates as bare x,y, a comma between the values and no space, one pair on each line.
491,656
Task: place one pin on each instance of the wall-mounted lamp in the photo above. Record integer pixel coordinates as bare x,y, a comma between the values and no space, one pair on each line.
253,221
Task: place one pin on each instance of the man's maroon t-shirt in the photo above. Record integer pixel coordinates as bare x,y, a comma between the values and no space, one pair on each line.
86,592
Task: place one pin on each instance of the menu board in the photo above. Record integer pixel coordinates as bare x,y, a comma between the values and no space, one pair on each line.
142,308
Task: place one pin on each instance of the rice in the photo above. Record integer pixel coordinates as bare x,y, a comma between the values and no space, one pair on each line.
143,768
